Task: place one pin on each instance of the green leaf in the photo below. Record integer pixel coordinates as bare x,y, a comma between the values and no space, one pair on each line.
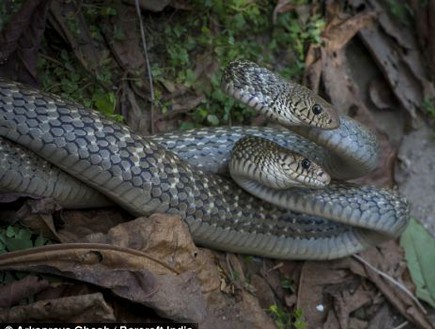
187,125
19,244
419,248
213,119
105,102
24,234
10,232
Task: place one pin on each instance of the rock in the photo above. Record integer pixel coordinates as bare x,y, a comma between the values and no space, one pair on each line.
414,174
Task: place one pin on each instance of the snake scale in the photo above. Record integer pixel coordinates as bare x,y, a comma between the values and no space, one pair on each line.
175,173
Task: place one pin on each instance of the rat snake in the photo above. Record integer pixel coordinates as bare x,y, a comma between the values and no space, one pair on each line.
175,173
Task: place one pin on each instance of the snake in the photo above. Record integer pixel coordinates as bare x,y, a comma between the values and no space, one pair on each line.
55,147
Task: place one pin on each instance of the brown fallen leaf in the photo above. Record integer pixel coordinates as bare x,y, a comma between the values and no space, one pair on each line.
283,6
389,259
73,309
311,299
347,293
77,224
339,31
185,104
424,15
273,276
331,321
20,42
396,51
355,323
166,238
62,12
266,297
134,90
382,319
133,109
347,299
28,205
226,312
128,273
13,292
126,50
40,216
412,52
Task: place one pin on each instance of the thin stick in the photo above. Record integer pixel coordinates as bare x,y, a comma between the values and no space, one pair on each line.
393,281
402,325
150,75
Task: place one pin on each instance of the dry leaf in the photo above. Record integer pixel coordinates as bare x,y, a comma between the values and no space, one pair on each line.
389,259
398,56
13,292
166,238
61,13
127,273
311,285
128,49
77,309
20,42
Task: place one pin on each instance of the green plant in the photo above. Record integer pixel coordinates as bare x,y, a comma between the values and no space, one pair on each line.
288,285
222,32
401,10
299,319
187,54
73,82
301,33
428,105
286,320
14,237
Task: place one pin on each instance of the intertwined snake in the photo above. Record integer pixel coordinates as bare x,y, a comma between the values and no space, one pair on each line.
171,173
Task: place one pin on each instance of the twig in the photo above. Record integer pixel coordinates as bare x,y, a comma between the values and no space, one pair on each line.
402,325
393,281
277,266
150,75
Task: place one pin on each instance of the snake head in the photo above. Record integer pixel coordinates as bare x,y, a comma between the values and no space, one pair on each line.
309,109
283,101
301,171
271,165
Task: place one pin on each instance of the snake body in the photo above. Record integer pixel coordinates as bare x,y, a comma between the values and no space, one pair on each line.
145,175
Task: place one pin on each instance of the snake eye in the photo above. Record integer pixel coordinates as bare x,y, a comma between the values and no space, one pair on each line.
306,163
316,109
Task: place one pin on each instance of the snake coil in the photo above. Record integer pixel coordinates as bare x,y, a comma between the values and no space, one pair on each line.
170,173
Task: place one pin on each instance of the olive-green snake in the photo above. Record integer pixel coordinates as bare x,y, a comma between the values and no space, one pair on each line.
172,173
